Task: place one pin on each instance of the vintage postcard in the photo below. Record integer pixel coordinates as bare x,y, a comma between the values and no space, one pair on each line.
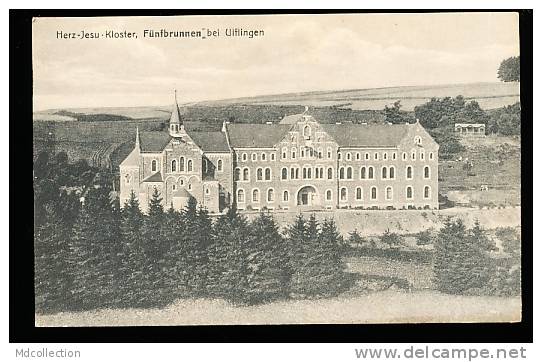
277,169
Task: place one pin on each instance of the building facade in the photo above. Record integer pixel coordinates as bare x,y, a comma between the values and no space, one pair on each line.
296,164
470,129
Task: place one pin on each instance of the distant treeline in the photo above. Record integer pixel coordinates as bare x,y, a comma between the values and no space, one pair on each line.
98,117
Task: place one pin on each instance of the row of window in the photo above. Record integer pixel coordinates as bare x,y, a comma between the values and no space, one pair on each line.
309,152
262,174
343,194
347,173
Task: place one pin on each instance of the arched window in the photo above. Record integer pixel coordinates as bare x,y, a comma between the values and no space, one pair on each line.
426,192
240,195
174,187
426,172
154,166
349,173
245,157
270,195
174,166
292,174
338,155
237,174
320,152
189,166
413,155
374,193
255,195
389,193
366,156
284,152
302,152
207,190
418,140
376,155
307,131
246,174
409,192
371,173
392,172
272,156
348,156
341,173
431,155
358,157
181,181
259,174
363,173
384,172
181,164
284,173
409,172
404,156
329,152
254,156
285,196
328,195
385,156
263,156
219,166
422,155
359,193
330,173
394,156
268,174
189,187
293,152
344,194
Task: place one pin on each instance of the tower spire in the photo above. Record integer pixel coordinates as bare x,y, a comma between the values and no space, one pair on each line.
176,125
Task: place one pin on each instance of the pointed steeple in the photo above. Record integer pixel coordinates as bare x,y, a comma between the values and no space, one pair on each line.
175,113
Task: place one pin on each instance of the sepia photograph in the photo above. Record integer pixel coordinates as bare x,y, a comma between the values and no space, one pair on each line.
277,169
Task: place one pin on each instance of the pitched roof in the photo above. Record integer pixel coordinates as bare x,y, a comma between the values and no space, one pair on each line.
291,118
181,193
156,177
214,141
375,135
244,135
153,141
132,159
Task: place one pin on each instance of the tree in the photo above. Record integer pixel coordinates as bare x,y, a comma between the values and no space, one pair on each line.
460,260
395,115
390,238
509,70
354,238
175,260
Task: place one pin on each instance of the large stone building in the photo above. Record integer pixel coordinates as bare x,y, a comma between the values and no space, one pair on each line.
298,163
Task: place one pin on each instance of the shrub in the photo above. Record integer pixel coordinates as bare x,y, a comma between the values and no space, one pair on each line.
390,238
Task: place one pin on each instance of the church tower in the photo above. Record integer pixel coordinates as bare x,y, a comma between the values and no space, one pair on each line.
176,126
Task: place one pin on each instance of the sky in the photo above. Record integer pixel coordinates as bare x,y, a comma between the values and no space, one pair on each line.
297,53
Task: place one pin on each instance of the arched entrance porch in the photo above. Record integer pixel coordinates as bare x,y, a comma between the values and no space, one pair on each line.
308,196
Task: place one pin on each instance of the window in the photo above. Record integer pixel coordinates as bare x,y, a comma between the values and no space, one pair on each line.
307,172
285,196
245,156
389,193
207,191
404,156
338,156
189,167
284,152
219,166
268,174
259,174
376,155
181,164
240,195
270,195
392,172
174,166
284,173
189,187
394,156
329,152
181,182
358,157
409,192
374,193
426,172
246,174
328,195
127,178
344,194
417,140
263,157
341,173
320,154
254,157
409,172
154,165
293,152
174,187
366,156
255,195
384,172
385,156
237,174
413,155
294,173
426,192
330,173
422,155
359,193
362,173
430,155
272,157
371,173
302,151
307,131
348,156
349,173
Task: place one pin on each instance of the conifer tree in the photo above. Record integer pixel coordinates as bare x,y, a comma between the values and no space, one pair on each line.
266,261
175,261
331,264
133,288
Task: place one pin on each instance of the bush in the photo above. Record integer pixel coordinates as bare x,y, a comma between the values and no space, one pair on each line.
391,239
424,237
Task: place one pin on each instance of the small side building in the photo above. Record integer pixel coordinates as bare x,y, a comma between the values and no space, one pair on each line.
470,129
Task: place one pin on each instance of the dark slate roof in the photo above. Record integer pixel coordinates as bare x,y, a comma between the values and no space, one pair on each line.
375,135
157,177
153,141
291,119
210,141
256,135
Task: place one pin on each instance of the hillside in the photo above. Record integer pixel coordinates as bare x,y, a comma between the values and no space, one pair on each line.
488,95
